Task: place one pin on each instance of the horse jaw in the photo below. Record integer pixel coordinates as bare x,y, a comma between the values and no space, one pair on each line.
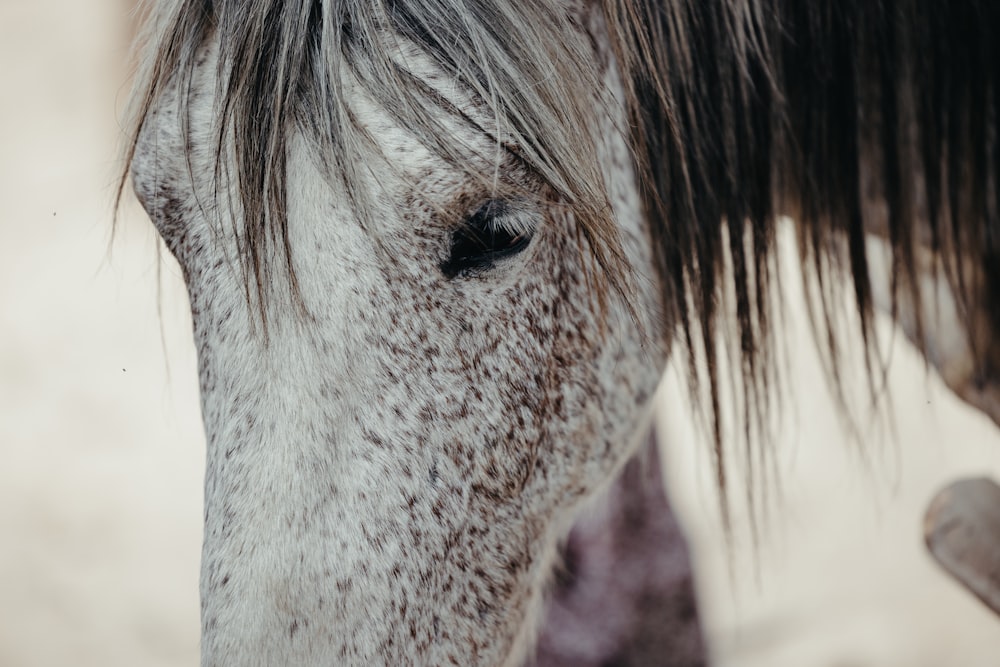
386,482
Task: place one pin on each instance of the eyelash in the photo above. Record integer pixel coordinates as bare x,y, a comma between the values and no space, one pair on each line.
495,231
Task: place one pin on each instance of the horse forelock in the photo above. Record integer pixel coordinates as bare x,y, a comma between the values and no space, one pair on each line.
287,66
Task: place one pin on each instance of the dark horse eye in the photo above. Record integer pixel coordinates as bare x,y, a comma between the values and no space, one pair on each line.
493,232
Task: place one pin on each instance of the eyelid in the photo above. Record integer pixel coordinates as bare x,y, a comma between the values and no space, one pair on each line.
511,216
515,222
497,229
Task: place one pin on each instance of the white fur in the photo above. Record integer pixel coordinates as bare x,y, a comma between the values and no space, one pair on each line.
387,477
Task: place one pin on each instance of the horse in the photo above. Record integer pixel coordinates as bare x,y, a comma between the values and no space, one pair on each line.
439,252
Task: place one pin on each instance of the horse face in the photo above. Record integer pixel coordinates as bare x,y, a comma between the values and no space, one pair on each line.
387,473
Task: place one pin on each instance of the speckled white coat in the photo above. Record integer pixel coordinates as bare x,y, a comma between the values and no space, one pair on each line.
387,479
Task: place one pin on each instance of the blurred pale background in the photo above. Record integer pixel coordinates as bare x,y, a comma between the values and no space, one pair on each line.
101,449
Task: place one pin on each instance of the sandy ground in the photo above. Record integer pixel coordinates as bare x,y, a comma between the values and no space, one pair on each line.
102,450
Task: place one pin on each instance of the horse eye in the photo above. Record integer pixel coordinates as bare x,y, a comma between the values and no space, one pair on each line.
492,233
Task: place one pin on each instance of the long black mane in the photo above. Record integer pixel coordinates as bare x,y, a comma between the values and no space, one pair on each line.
851,116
